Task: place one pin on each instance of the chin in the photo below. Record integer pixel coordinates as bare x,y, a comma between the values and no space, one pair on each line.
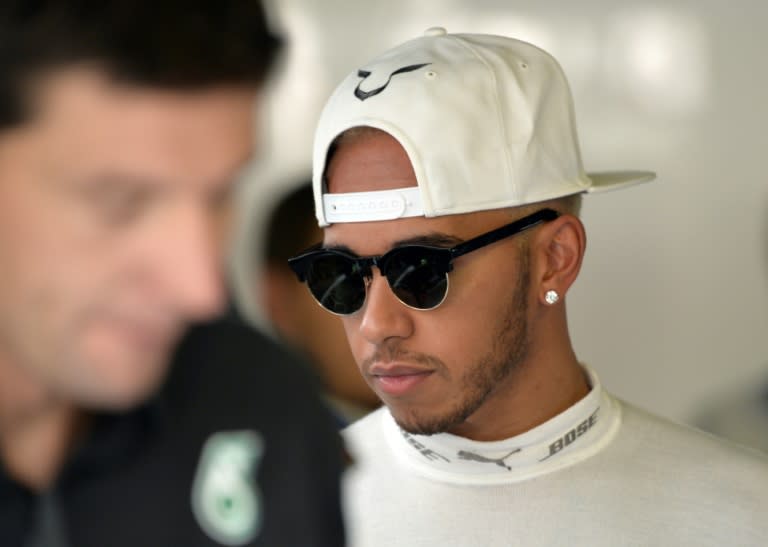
418,424
120,384
125,398
116,395
429,420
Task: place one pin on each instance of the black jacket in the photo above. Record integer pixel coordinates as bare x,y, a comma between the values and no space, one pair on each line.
236,442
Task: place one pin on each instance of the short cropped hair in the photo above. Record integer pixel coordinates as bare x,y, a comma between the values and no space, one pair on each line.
175,44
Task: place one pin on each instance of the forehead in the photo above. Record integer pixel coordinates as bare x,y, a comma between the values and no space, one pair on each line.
377,237
82,116
376,161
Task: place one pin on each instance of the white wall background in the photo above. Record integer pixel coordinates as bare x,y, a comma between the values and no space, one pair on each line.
671,307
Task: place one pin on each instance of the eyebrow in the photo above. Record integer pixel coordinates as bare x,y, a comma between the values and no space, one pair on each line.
107,181
431,240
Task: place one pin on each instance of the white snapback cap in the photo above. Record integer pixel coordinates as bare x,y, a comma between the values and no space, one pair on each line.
487,123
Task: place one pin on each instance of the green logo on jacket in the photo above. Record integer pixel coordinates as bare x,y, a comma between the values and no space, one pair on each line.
225,499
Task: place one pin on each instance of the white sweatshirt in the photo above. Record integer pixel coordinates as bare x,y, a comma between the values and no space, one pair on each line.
600,473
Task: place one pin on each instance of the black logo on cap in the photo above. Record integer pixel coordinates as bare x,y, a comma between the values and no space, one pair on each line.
363,95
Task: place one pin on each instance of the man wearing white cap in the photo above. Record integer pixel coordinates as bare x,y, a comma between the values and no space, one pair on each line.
448,178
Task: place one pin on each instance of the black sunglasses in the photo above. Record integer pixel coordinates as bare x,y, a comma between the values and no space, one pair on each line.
417,274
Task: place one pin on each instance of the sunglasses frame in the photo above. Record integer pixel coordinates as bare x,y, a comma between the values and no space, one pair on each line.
442,257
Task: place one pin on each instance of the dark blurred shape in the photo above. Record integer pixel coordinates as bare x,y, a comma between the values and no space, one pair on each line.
134,410
297,318
741,417
292,225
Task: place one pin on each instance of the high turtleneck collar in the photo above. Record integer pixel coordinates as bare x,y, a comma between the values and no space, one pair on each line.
571,436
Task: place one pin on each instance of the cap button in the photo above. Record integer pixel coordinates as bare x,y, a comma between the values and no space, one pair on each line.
435,31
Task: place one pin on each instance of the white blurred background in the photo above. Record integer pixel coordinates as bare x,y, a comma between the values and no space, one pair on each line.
671,307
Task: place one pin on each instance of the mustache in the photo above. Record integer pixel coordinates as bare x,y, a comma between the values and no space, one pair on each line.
391,351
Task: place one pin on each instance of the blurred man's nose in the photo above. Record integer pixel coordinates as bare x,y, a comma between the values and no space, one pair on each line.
189,264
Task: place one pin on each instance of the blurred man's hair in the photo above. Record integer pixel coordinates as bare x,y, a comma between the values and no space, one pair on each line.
291,225
174,44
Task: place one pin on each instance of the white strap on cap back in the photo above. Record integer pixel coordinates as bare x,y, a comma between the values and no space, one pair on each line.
370,206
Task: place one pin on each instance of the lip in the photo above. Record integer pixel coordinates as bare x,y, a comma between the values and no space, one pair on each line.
397,379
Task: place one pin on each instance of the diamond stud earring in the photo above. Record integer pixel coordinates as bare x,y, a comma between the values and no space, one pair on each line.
551,297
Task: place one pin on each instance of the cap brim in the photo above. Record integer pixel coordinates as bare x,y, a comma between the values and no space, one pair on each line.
613,180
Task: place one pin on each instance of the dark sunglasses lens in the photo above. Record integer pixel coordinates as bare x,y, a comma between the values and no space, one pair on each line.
417,278
336,283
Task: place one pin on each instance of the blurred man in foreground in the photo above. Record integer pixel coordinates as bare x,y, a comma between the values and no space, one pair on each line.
295,315
123,126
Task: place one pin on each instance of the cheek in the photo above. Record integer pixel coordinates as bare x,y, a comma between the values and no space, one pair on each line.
485,288
473,302
53,291
452,336
53,247
467,323
40,282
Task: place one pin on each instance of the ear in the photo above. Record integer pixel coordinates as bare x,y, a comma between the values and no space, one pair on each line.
557,252
277,293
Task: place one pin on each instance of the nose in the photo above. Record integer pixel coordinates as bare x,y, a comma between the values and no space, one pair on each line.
188,264
383,315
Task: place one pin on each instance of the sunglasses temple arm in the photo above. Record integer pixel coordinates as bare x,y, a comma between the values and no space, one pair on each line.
516,227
